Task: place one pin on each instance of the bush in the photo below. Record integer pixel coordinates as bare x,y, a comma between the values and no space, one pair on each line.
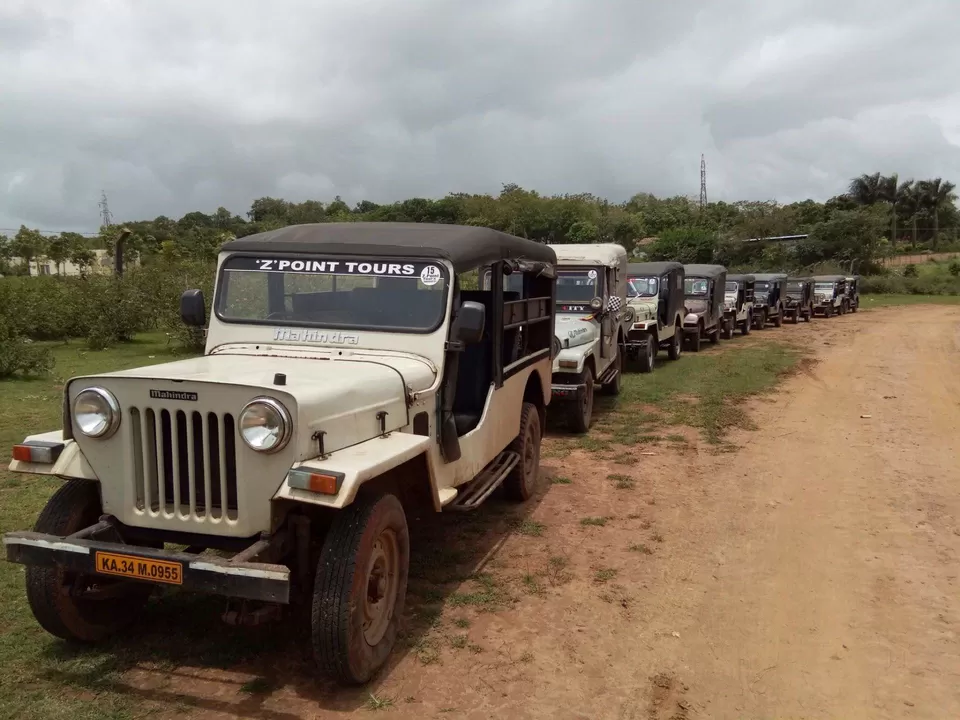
910,271
19,356
900,285
102,308
954,267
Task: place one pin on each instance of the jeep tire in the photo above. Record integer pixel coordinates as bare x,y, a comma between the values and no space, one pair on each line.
649,355
693,339
745,326
580,412
521,483
359,588
778,320
715,335
676,343
727,328
65,602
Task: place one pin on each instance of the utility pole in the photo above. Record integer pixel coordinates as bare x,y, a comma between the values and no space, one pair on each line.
107,220
105,216
703,183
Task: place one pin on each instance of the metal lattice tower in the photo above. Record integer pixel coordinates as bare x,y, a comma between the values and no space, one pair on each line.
703,183
105,215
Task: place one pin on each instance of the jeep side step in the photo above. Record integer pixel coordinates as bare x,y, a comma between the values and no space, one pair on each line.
608,376
470,495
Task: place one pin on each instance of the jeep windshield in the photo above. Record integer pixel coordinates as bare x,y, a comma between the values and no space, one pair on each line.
762,287
794,289
823,288
376,294
642,287
731,287
695,287
578,286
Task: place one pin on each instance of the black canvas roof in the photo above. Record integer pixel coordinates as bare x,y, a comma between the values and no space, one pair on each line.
799,279
706,271
829,278
741,278
466,247
766,277
652,268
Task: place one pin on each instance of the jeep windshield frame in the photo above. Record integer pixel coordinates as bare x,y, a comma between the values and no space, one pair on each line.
633,290
303,290
580,272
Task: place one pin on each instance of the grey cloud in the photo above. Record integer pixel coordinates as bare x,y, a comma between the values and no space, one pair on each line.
178,106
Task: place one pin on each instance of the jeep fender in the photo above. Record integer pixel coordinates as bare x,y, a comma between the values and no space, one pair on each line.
579,353
71,463
360,464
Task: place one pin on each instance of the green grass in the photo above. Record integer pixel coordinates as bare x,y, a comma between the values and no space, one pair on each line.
703,390
530,528
40,677
560,480
877,301
593,521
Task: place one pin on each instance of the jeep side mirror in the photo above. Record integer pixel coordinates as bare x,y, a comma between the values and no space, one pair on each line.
470,322
193,310
596,304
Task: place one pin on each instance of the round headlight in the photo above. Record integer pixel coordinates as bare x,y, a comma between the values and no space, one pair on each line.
96,412
265,425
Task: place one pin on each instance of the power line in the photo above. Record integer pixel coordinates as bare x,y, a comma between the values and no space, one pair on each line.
51,232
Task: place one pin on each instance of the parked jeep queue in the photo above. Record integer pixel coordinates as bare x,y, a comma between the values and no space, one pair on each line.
355,375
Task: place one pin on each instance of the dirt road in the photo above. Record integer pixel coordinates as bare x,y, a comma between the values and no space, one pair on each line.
811,574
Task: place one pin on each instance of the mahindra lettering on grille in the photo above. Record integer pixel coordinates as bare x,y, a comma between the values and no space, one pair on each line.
185,464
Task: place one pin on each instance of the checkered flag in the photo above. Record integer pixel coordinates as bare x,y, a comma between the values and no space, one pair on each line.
614,304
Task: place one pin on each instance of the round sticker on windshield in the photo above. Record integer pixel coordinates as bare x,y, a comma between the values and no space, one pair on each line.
592,274
430,275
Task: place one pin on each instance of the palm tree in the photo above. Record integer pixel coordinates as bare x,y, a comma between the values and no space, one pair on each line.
866,189
939,193
893,191
917,198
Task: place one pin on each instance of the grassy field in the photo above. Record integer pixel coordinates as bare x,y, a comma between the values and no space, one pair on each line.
877,301
41,678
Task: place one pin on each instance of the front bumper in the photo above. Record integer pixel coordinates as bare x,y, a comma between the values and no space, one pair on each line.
568,391
206,574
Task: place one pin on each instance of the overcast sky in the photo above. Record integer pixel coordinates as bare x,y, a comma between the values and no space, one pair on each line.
180,105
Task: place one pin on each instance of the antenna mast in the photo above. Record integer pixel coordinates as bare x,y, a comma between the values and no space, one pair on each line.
703,183
105,216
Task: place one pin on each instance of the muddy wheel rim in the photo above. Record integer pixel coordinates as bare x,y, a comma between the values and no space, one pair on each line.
382,580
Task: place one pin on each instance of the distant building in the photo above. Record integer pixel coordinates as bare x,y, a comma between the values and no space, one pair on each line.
102,263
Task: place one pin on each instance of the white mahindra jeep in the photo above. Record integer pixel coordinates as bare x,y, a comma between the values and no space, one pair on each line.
655,311
348,378
738,304
830,295
590,326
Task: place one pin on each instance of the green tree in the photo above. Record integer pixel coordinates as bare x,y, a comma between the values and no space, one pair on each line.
58,250
684,245
866,189
29,246
940,193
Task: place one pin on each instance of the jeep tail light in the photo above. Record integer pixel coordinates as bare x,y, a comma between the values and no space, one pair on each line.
319,481
37,451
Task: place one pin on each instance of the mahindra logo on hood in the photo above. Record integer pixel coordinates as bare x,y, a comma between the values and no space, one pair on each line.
173,395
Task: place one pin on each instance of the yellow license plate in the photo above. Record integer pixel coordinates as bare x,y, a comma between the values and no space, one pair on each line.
162,571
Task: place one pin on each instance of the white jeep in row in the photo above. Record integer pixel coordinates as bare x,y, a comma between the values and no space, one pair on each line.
350,380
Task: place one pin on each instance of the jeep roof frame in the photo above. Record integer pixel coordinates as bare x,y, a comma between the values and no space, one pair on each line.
466,247
607,254
742,277
829,278
652,268
769,277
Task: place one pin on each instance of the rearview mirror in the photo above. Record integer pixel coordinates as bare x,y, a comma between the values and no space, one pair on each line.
470,322
193,310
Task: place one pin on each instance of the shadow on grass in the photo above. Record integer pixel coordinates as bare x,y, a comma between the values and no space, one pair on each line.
183,643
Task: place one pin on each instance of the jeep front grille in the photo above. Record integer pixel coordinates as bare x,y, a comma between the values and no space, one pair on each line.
185,464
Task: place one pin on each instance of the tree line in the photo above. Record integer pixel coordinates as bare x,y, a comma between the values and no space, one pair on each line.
875,215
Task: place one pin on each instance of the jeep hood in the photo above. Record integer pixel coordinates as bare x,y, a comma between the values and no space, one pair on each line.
341,397
573,331
646,308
